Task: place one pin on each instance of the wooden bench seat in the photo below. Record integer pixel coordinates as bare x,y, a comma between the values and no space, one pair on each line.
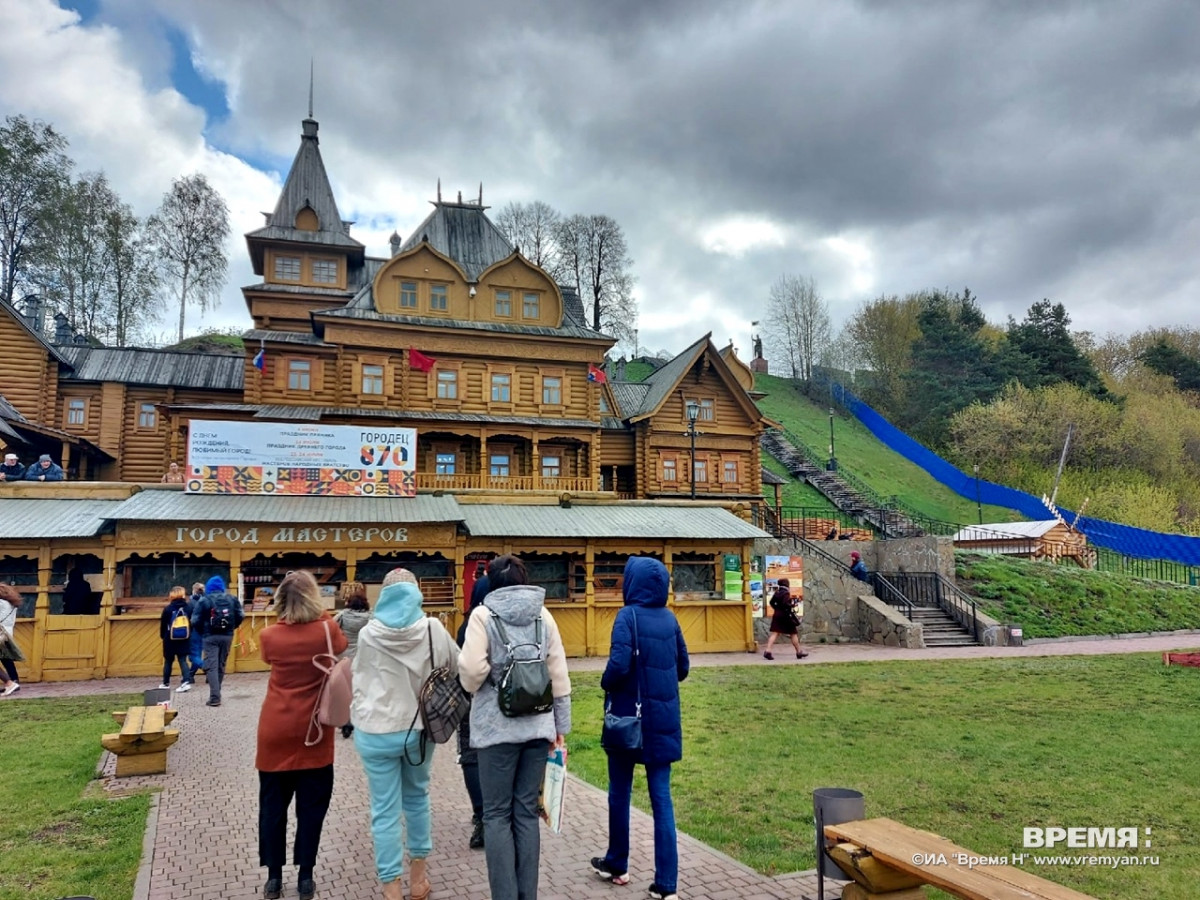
883,855
141,744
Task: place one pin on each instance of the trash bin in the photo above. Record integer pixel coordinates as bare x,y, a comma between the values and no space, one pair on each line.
831,466
155,696
1016,636
832,806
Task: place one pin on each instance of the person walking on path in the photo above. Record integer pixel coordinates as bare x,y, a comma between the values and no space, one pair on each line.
468,757
512,749
10,653
784,619
355,613
176,637
196,644
649,666
397,650
290,762
217,616
858,568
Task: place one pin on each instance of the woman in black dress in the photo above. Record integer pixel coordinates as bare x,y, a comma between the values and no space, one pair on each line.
784,620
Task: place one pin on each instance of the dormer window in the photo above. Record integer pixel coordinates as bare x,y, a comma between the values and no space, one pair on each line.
438,298
408,295
504,304
287,268
324,271
530,306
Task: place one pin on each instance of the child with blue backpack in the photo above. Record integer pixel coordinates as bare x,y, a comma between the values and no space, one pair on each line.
175,629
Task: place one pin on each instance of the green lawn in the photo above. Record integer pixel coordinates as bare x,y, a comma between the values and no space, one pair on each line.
1050,600
58,838
859,452
974,750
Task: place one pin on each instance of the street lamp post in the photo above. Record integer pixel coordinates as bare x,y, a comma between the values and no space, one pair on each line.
978,501
832,467
693,413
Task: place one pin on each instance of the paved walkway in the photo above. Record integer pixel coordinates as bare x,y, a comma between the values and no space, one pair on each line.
201,837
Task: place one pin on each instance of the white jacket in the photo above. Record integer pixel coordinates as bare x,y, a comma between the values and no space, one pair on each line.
389,668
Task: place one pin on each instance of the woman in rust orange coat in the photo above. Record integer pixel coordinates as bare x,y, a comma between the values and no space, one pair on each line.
291,761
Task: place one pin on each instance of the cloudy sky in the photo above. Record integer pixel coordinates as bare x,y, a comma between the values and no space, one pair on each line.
1020,148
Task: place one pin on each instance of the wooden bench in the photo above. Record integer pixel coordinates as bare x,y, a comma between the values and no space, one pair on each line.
141,744
890,860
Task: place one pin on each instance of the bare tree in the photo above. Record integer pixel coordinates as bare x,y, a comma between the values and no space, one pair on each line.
188,233
594,255
798,320
34,169
530,227
133,280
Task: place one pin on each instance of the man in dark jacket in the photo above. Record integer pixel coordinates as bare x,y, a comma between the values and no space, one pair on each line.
12,470
217,616
647,660
45,469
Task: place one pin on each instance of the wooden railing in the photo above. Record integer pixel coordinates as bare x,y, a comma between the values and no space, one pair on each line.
431,481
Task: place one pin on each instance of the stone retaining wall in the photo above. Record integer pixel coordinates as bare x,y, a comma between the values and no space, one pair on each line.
883,624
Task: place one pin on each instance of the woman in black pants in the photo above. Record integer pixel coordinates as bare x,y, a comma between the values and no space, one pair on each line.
467,757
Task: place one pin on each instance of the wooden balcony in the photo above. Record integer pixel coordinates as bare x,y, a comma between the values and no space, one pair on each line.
430,481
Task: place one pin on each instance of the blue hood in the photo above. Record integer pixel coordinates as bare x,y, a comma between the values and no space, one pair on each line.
646,582
215,585
399,605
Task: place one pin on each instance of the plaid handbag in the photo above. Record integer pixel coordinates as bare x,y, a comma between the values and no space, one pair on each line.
442,703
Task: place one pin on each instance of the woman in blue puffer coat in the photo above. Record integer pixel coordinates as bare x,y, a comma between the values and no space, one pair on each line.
654,662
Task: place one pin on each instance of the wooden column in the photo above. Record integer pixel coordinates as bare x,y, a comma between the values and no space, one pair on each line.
106,610
41,610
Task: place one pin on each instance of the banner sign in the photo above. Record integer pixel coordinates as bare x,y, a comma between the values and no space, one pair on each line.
308,459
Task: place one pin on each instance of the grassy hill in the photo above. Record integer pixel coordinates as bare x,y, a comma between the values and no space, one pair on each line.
859,453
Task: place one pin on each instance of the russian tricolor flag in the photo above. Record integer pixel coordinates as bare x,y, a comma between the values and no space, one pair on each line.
260,358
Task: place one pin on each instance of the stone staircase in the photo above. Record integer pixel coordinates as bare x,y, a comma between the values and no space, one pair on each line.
939,629
838,489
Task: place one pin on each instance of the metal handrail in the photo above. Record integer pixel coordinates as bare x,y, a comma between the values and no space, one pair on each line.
766,516
932,589
890,594
955,602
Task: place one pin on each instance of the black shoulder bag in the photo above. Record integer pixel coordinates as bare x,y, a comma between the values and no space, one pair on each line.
625,732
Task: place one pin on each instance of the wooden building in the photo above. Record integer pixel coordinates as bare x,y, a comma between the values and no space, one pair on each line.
1052,539
456,335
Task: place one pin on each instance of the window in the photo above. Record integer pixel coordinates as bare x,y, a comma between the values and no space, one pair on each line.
552,391
729,472
668,469
706,411
325,271
551,466
446,463
299,375
501,388
503,304
372,379
147,416
408,295
287,268
700,470
529,306
437,297
77,412
447,385
498,465
603,404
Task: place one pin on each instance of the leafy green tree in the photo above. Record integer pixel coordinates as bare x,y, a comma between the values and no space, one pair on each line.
188,233
1043,351
1168,360
133,300
34,170
881,334
953,366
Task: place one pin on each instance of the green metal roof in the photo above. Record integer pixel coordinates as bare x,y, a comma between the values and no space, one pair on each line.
609,521
37,518
175,506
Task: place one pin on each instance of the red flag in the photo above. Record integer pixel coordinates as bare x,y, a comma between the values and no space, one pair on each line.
596,374
419,361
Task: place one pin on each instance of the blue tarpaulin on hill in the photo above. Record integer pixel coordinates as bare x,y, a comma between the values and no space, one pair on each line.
1126,539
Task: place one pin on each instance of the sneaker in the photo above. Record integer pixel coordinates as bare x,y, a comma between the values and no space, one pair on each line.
11,688
164,687
768,656
212,701
605,870
476,841
658,893
184,688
